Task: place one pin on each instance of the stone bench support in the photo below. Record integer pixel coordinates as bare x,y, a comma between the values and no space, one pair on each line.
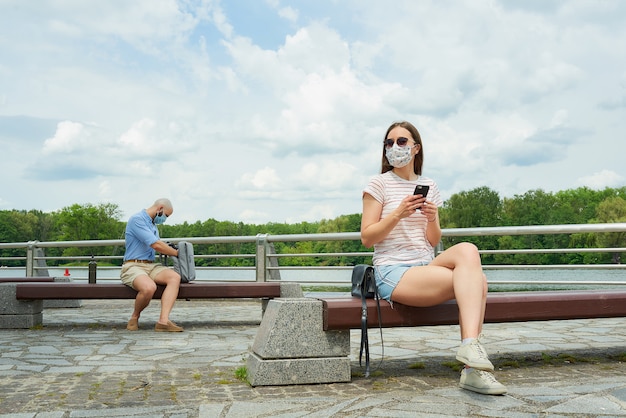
62,303
291,346
17,313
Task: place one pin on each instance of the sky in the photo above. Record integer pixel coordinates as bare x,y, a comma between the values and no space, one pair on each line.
261,111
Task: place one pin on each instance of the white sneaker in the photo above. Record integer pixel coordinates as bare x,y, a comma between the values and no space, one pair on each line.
481,381
474,355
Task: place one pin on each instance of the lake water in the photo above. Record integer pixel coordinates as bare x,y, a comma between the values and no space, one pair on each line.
519,278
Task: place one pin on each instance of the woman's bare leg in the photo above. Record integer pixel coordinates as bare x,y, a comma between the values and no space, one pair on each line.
457,274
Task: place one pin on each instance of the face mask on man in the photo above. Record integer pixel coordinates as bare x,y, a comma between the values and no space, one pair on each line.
399,156
160,218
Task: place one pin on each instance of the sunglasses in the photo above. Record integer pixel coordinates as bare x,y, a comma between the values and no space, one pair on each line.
402,141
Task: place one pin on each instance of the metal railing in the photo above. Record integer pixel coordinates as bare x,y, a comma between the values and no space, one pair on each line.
267,263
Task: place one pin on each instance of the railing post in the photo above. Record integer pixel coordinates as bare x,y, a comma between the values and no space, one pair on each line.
438,248
40,267
30,258
261,247
271,261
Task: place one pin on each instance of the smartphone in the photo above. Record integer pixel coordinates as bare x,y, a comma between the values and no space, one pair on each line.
421,189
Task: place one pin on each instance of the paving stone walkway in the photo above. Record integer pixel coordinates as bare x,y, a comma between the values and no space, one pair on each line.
83,363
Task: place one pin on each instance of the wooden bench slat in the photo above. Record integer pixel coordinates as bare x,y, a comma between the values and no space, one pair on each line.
195,290
345,313
25,279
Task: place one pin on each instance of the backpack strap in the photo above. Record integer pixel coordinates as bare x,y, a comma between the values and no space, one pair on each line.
365,347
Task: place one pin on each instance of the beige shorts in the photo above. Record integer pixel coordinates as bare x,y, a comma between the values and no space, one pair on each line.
131,270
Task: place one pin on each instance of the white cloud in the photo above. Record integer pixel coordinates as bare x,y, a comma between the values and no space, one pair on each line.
221,23
147,138
186,99
328,175
288,13
105,192
263,179
139,137
602,179
67,138
551,76
304,49
315,213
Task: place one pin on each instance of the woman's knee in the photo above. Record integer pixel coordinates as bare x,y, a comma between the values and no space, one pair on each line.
468,251
467,247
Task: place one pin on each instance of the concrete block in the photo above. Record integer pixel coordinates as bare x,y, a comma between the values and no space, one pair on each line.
20,321
291,290
9,305
62,303
291,346
18,313
293,328
287,290
262,372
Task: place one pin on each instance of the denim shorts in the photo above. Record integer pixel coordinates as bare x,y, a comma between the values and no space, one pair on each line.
388,277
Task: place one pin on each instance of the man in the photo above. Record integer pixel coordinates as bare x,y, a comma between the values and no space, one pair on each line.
140,271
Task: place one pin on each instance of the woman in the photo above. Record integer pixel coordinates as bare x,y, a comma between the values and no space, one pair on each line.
404,228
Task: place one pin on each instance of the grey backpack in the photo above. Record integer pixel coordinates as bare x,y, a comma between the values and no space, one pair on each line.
184,264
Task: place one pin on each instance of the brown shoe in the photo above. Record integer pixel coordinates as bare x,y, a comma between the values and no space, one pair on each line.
133,324
170,327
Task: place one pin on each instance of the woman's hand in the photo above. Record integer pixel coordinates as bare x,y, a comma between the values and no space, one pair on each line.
430,210
409,205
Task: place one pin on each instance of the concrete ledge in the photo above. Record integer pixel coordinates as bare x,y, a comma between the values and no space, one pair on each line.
263,372
291,346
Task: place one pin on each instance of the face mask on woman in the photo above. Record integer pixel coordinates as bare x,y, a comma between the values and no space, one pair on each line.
399,156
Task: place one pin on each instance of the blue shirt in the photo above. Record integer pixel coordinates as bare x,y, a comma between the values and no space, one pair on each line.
141,233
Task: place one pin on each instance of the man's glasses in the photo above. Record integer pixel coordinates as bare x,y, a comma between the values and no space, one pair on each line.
402,141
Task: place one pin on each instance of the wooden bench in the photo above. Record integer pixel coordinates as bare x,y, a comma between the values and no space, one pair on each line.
316,348
345,313
25,279
22,303
193,290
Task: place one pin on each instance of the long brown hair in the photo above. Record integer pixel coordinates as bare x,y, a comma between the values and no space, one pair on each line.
418,160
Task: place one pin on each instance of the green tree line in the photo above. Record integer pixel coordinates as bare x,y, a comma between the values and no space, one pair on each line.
480,207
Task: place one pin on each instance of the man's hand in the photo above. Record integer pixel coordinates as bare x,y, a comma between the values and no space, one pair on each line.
174,246
165,248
